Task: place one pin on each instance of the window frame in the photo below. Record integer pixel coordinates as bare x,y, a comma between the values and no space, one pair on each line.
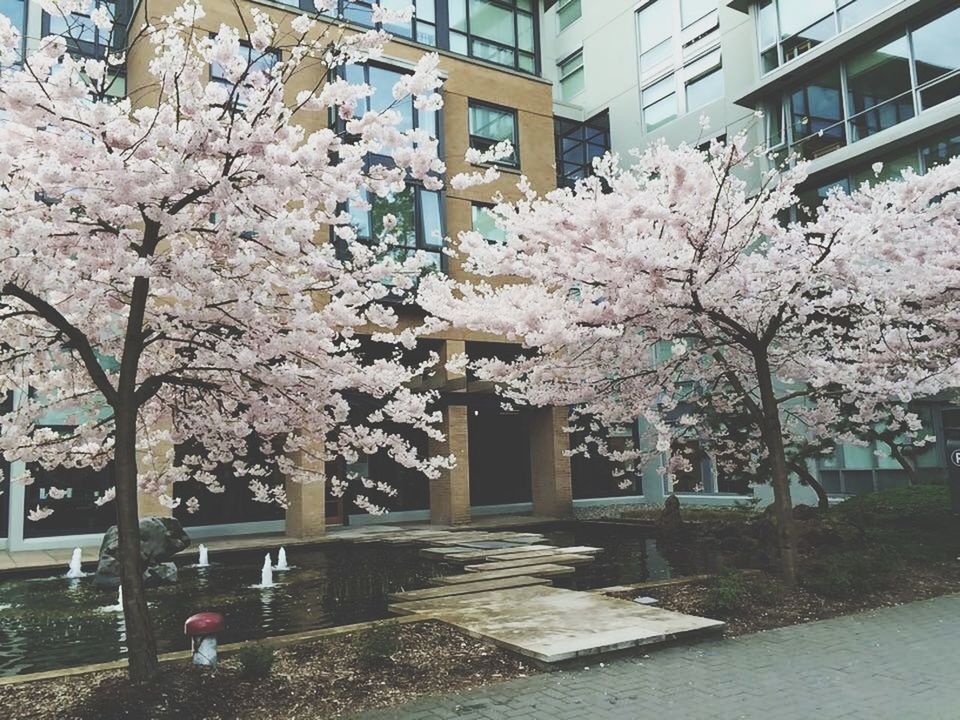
563,5
564,76
486,143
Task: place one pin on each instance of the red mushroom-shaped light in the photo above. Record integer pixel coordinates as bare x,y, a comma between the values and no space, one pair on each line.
202,629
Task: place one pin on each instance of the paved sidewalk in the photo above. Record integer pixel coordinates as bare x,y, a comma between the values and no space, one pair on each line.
900,663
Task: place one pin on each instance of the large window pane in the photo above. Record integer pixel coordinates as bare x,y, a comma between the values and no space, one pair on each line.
940,150
693,10
571,76
490,125
383,81
796,15
568,12
401,206
656,29
704,90
859,10
484,224
431,223
660,112
491,21
937,53
816,114
879,88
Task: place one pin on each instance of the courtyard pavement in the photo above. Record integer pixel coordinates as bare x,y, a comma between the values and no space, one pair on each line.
899,663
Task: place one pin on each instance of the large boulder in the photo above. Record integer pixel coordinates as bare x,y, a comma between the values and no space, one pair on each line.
160,539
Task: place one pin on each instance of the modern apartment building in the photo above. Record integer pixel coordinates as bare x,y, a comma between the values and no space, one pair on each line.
842,83
507,462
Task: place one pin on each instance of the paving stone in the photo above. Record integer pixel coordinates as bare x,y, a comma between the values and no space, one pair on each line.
540,552
545,570
510,564
466,588
463,553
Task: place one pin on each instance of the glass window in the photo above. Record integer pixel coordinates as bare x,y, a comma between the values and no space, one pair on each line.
796,15
15,10
578,143
382,80
693,10
257,62
855,12
499,31
484,224
705,89
879,88
422,27
418,216
937,54
656,29
82,35
571,75
940,150
568,12
659,103
816,115
490,125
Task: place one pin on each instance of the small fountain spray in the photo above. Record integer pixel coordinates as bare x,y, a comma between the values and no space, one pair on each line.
282,560
76,569
266,573
204,560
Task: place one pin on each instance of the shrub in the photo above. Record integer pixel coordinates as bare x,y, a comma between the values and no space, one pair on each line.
896,504
728,594
847,575
256,660
377,645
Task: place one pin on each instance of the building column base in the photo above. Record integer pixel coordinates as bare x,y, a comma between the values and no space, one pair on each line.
450,493
550,474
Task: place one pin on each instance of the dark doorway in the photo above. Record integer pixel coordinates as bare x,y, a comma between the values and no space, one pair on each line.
499,445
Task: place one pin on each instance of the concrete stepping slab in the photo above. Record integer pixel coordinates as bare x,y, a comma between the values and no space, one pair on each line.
552,624
466,588
453,553
547,553
545,570
509,564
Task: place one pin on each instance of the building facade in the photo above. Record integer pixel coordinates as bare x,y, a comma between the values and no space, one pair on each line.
842,83
493,91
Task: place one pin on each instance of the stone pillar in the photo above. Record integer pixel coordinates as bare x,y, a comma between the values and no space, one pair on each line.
549,466
306,502
450,493
155,459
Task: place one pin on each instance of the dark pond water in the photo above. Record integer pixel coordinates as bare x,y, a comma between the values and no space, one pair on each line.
630,554
47,623
52,622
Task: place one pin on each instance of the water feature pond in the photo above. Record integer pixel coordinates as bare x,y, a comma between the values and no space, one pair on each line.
53,622
631,554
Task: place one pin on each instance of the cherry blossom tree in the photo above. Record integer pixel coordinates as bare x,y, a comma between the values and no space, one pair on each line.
674,290
167,269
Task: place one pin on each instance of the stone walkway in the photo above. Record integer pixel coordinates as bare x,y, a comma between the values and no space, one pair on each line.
900,663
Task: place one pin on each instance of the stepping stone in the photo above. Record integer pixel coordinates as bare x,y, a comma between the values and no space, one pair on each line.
552,624
456,554
545,570
466,588
508,564
547,553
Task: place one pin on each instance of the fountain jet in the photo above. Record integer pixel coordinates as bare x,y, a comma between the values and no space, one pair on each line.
76,570
282,560
204,560
266,573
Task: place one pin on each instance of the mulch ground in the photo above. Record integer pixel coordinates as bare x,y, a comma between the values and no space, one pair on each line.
766,605
319,679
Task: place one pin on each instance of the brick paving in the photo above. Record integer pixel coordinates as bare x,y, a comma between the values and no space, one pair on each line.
898,663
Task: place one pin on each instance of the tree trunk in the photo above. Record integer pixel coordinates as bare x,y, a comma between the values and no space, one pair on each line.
823,502
773,439
141,644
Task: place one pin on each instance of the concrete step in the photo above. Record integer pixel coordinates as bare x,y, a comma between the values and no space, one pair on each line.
545,570
546,554
466,588
455,553
509,564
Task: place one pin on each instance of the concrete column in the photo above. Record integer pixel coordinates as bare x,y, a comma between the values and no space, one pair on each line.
549,466
450,493
155,459
306,502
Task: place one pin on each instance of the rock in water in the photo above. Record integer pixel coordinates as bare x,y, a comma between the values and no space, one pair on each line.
160,539
670,523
